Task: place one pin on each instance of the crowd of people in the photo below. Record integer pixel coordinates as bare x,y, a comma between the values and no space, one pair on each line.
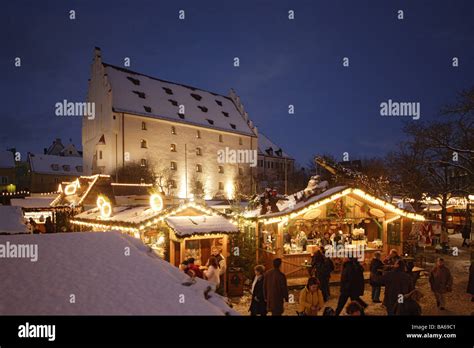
393,273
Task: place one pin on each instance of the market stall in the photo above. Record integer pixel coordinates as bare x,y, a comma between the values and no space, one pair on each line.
341,221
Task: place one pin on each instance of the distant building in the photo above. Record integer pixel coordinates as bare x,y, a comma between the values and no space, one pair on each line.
274,165
7,170
173,127
58,149
48,171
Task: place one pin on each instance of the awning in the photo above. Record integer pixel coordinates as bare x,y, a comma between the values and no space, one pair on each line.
187,226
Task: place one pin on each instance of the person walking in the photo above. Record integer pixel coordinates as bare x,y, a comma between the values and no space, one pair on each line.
322,268
275,289
258,306
311,298
397,282
441,282
376,267
466,233
352,284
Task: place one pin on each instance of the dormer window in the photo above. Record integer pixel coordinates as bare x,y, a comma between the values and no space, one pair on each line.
196,96
147,108
226,114
174,102
136,82
168,90
140,94
55,167
218,102
232,125
203,108
181,116
279,152
211,122
67,168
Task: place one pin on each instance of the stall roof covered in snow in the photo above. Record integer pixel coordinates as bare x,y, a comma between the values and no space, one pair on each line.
138,283
268,148
32,202
186,226
11,220
140,94
6,159
58,165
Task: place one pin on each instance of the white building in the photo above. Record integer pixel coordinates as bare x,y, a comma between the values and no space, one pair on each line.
174,127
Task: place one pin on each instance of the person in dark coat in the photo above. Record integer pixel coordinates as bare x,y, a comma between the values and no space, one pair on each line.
441,282
258,306
410,305
466,233
322,268
376,267
352,284
48,225
275,288
470,283
397,282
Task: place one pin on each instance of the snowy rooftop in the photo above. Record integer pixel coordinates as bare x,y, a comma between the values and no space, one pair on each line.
137,284
144,95
268,148
129,214
62,165
12,220
32,202
6,159
185,226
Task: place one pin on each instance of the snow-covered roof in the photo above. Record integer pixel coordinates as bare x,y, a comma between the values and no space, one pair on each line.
6,159
268,148
32,202
12,220
185,226
63,267
59,165
128,214
162,99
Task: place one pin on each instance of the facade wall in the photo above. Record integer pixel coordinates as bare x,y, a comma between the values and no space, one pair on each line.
7,176
47,182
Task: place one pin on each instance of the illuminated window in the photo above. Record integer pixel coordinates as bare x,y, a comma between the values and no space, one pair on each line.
143,144
143,162
198,134
198,168
172,183
198,151
221,169
173,147
173,130
174,165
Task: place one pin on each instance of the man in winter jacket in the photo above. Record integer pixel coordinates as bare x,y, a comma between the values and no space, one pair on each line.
275,288
397,284
352,284
441,282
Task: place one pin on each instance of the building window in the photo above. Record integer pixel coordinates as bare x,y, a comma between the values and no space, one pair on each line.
221,185
168,90
211,122
140,94
67,168
174,165
181,116
4,180
203,108
198,134
134,81
173,147
143,162
173,130
218,102
55,167
174,102
260,163
226,114
241,142
147,108
196,96
221,169
100,154
233,126
172,183
268,164
221,138
241,171
143,125
271,165
198,151
79,169
143,144
198,168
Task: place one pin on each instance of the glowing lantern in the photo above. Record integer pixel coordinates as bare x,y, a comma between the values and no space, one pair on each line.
71,189
156,202
105,208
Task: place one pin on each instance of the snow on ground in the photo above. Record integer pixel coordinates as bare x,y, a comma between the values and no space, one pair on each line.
11,220
94,267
